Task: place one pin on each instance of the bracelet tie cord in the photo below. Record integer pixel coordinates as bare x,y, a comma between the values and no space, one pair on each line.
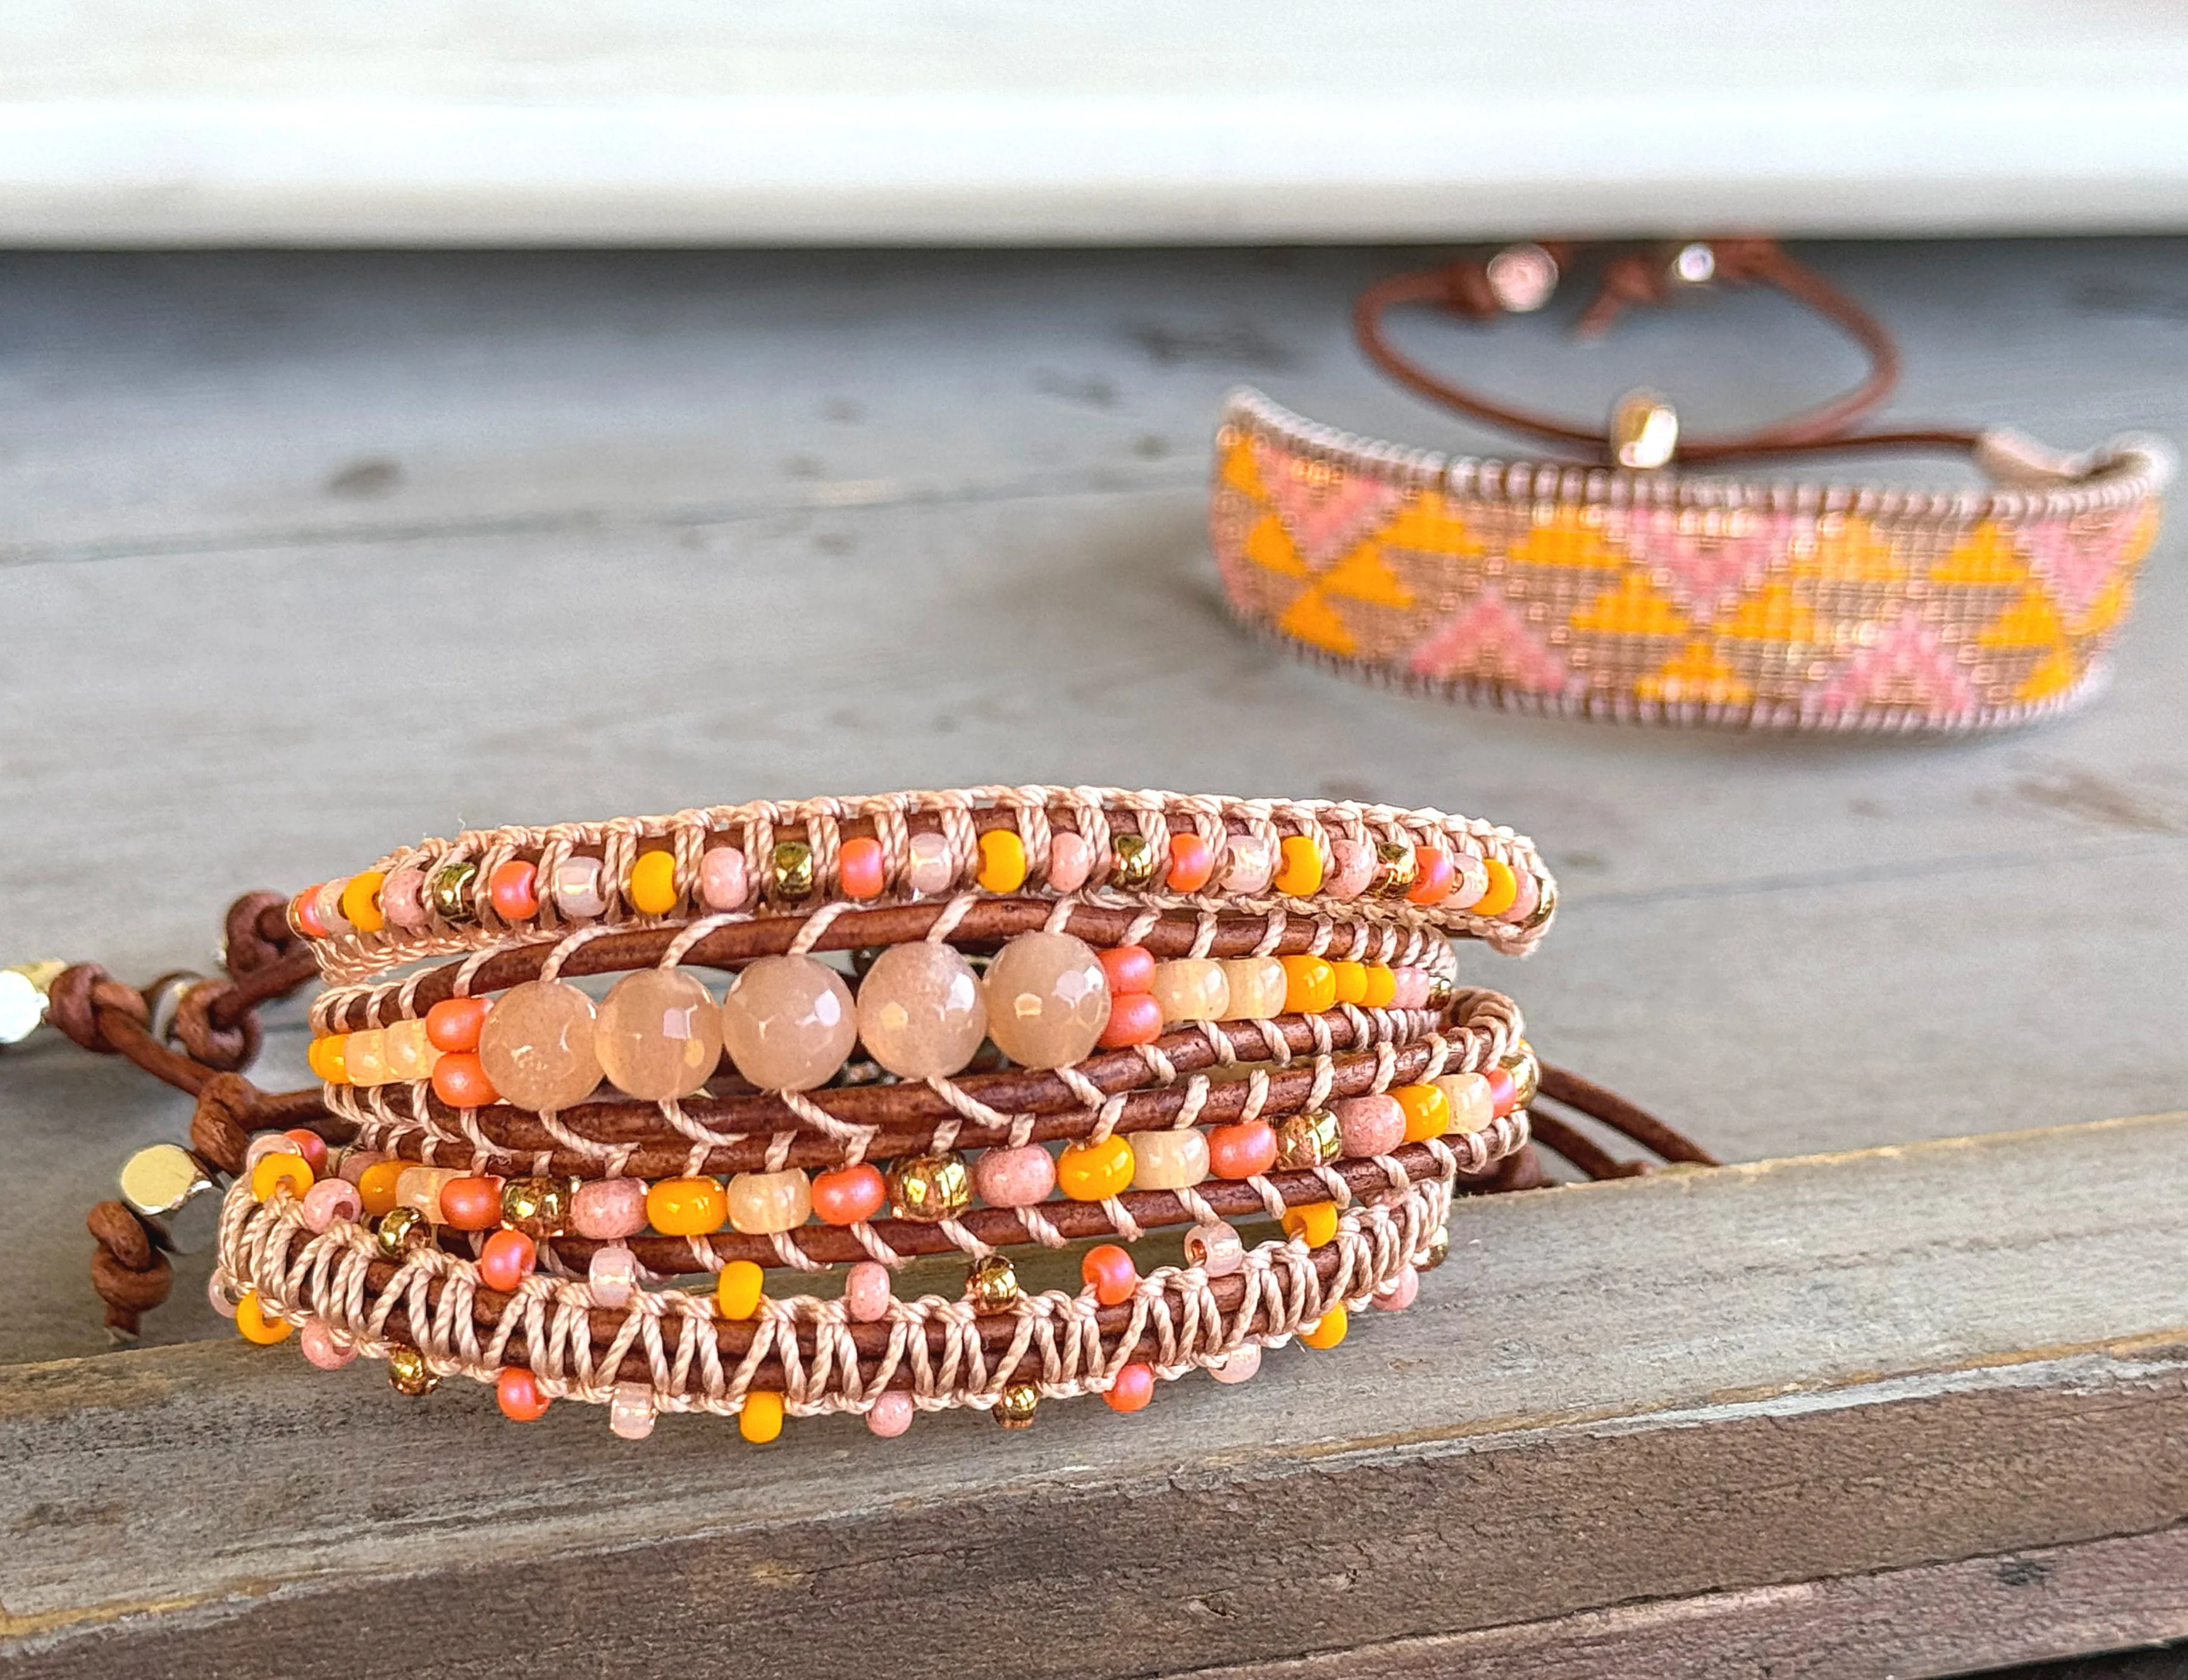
1621,587
841,1035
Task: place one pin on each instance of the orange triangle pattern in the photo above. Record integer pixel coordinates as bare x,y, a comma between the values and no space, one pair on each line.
1986,555
1269,546
1695,676
2030,622
1315,622
1774,614
1634,606
1563,538
1365,575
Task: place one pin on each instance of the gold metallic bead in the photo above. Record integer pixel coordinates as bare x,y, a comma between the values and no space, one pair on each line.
1307,1140
1131,862
1397,868
407,1373
538,1206
161,1179
1439,1249
401,1230
1545,906
448,890
1016,1405
1439,993
929,1188
1645,430
992,1284
1526,1073
790,870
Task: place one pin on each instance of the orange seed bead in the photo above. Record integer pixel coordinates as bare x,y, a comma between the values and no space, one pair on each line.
860,864
1382,985
256,1325
1328,1332
1309,985
460,1081
1504,889
1093,1172
1352,981
451,1025
1192,863
1300,873
846,1195
360,901
327,1059
376,1185
273,1172
738,1288
686,1206
653,883
1316,1222
1003,860
759,1421
1427,1111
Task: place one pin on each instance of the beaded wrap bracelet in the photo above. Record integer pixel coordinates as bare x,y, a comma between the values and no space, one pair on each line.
1630,590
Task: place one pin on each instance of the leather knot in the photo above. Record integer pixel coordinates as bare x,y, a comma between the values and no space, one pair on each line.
249,947
221,1124
128,1270
209,1043
77,996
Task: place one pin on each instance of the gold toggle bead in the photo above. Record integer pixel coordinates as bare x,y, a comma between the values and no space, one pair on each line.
1307,1140
790,870
929,1188
1645,430
1526,1073
408,1374
992,1284
1016,1405
1397,870
538,1206
1439,1249
1131,862
161,1179
401,1230
448,890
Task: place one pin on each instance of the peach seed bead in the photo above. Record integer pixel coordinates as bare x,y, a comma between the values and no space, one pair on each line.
1070,861
738,1288
612,1275
929,870
1256,987
420,1187
1504,889
1300,872
1472,1105
1014,1178
891,1414
1354,867
659,1035
1094,1172
1368,1126
1328,1330
274,1171
328,904
536,1046
724,882
329,1058
605,1209
789,1023
1047,1000
1470,879
1250,864
318,1345
329,1200
364,1057
762,1203
577,893
759,1419
409,1053
360,901
1242,1364
1526,898
1216,1249
1176,1159
920,1011
866,1292
1400,1292
402,898
686,1206
653,883
1003,860
256,1324
630,1412
1190,989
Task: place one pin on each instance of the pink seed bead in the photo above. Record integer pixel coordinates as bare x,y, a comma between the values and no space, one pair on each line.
1015,1178
1400,1292
724,883
578,887
316,1340
1412,988
328,905
354,1163
605,1209
329,1200
1355,868
929,869
1528,898
216,1292
1216,1249
1242,1367
866,1292
1369,1125
1469,879
266,1143
630,1412
402,898
612,1273
1250,865
1070,861
891,1415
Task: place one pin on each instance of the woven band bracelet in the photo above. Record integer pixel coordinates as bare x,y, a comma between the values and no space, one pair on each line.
1624,588
505,1176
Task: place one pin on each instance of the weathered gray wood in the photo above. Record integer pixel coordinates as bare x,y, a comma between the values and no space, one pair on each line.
1650,1390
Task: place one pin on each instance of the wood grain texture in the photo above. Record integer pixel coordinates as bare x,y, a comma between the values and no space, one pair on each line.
1647,1390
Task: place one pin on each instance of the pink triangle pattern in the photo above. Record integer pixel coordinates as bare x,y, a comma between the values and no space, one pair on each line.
1908,665
1708,573
1489,639
2076,564
1325,522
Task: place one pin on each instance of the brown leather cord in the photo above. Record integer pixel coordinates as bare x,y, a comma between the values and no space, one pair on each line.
1631,279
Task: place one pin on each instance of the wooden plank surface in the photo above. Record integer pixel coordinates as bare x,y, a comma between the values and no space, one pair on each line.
224,121
1651,1389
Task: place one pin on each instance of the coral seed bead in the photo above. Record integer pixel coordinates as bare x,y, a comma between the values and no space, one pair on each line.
1135,1017
686,1206
1309,985
460,1081
1242,1149
859,862
759,1421
1192,863
471,1202
1433,876
1095,1171
846,1195
253,1321
1131,1388
1002,861
1427,1111
311,1145
1504,889
360,901
453,1024
275,1170
1326,1332
513,889
1130,969
1107,1270
652,890
1503,1090
327,1058
516,1392
376,1186
738,1288
507,1260
1300,872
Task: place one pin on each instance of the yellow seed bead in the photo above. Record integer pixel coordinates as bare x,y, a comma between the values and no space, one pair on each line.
1352,981
360,901
273,1172
1329,1332
1092,1172
1002,861
1427,1110
686,1206
329,1058
653,883
1503,888
1300,872
376,1186
760,1420
737,1290
251,1319
1309,985
1316,1222
1382,986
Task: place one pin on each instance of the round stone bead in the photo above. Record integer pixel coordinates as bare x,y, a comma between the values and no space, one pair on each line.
762,1203
1172,1159
1047,1000
928,870
1015,1178
319,1344
920,1011
1190,989
1241,1367
612,1273
1353,866
607,1208
891,1414
724,881
659,1035
1070,861
402,898
630,1412
788,1023
536,1046
1369,1125
1250,865
1473,1104
329,1200
1256,988
577,893
866,1292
